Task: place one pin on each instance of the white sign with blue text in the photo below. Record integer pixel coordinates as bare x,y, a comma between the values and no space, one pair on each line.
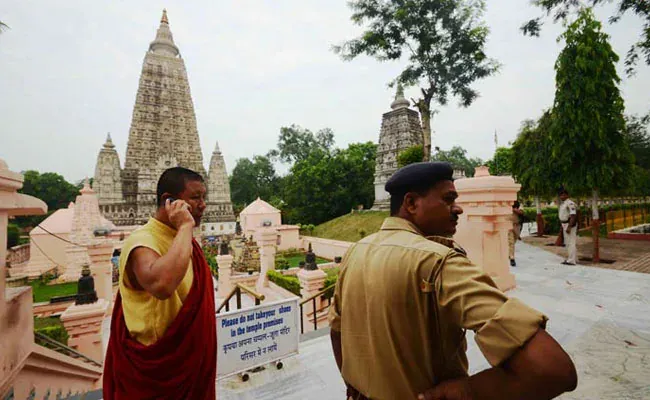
256,336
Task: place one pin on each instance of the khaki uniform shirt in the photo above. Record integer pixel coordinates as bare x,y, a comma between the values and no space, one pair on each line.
567,209
402,303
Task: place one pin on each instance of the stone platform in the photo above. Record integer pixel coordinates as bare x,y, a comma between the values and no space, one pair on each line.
600,316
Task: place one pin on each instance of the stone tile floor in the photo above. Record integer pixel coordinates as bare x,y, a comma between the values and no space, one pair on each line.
600,316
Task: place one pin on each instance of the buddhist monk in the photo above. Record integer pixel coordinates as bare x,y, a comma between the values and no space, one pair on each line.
163,330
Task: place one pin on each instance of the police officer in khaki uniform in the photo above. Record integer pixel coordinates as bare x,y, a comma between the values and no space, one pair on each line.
514,234
406,295
568,213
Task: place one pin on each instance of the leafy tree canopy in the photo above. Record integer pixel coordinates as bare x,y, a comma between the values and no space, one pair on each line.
589,147
409,156
326,185
296,143
253,178
457,157
443,42
501,163
531,163
50,187
562,9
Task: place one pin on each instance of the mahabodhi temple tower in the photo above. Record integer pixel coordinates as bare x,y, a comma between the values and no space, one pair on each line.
163,134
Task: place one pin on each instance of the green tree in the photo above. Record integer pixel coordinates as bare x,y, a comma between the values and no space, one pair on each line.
501,163
296,143
253,178
588,131
326,185
563,9
457,157
50,187
531,163
443,42
409,156
638,139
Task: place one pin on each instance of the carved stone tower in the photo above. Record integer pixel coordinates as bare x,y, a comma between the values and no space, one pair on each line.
108,174
218,211
400,129
163,134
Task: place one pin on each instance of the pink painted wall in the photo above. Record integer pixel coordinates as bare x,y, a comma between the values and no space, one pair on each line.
46,369
326,248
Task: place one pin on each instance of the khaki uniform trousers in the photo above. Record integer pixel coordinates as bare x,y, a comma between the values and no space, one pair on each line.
570,243
513,236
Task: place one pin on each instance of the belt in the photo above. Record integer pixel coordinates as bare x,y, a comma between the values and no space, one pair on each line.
564,222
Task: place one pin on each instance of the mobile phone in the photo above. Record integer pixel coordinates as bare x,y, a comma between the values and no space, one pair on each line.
171,199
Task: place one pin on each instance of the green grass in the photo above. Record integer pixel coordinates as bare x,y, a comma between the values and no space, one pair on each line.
351,227
43,292
294,261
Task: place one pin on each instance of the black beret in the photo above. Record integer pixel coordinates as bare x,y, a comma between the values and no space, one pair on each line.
418,176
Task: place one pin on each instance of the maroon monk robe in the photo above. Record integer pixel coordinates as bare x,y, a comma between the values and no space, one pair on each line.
180,365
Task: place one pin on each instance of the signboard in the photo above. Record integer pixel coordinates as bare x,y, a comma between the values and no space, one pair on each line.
256,336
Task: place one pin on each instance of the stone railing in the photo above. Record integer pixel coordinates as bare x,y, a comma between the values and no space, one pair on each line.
18,254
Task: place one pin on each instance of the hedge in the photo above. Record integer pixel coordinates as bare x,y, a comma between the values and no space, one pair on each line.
55,332
552,221
290,283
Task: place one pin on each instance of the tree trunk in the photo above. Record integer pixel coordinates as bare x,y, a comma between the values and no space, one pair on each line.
539,219
424,106
560,239
595,224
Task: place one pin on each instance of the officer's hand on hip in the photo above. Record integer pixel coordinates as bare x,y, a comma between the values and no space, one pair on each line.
457,389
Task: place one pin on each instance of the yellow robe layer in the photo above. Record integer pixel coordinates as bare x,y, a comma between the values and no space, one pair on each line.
147,317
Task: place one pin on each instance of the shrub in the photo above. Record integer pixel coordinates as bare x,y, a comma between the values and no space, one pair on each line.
332,277
55,332
281,263
13,235
409,156
290,283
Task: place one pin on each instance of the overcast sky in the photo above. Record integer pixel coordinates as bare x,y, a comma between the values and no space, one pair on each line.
69,74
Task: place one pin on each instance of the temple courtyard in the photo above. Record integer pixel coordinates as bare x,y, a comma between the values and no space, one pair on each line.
600,316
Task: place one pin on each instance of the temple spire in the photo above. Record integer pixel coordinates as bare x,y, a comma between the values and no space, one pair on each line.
109,143
400,100
163,44
216,148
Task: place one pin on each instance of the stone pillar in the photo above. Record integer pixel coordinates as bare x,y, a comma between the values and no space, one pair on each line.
266,240
84,325
487,217
102,269
311,282
225,271
16,318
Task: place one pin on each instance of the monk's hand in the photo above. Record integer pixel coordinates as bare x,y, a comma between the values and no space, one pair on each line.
457,389
179,213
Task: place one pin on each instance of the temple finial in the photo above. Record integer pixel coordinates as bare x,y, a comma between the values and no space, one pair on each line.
400,100
109,143
216,148
164,17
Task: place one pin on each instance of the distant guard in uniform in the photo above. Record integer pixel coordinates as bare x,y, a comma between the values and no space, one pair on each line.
514,234
568,214
406,295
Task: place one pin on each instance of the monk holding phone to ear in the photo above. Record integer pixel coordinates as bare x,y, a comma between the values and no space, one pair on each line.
163,342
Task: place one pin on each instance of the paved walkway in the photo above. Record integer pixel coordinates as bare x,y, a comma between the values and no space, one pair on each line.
601,316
